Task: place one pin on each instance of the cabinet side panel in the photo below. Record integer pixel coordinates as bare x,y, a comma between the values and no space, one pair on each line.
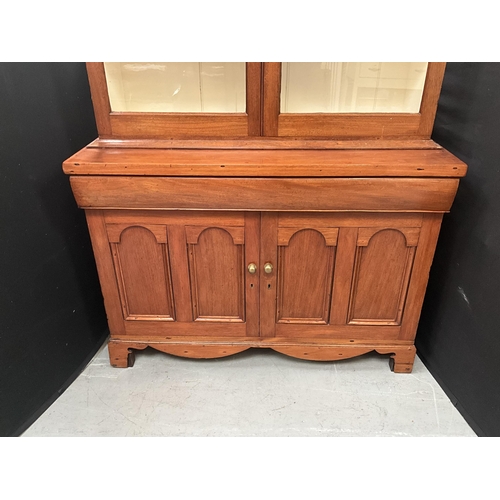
105,268
420,274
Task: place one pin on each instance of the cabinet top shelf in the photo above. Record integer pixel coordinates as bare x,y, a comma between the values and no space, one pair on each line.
205,162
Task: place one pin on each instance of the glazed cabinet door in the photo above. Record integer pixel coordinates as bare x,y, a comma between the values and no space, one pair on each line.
349,100
179,273
344,276
176,100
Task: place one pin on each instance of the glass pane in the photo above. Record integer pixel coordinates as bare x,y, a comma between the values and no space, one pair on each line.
352,87
177,87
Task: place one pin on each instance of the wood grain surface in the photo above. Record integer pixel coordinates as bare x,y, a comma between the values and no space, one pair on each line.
343,210
265,163
265,194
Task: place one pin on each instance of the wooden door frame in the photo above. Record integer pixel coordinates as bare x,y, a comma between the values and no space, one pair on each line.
132,125
349,125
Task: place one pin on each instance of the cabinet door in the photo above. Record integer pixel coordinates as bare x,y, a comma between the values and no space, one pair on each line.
184,273
176,100
382,267
299,252
337,275
143,272
348,100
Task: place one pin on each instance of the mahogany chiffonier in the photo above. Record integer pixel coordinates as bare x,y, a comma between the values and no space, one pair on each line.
291,206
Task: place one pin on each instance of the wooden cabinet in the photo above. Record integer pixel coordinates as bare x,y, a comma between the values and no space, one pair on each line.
252,277
319,249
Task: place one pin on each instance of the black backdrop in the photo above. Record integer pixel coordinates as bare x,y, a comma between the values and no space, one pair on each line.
52,319
459,333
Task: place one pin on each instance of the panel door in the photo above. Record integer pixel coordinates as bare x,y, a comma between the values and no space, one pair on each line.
382,269
342,276
143,272
185,273
298,260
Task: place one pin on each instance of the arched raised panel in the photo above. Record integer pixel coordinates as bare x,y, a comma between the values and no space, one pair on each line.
115,231
410,234
382,269
142,271
305,274
217,274
193,233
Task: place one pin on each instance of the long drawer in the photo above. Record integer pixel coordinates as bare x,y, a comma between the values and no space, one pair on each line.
265,194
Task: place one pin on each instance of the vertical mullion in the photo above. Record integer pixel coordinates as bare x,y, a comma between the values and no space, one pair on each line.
271,99
343,275
253,97
177,248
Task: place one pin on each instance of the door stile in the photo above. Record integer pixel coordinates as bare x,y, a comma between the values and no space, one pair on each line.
180,273
342,280
268,282
252,281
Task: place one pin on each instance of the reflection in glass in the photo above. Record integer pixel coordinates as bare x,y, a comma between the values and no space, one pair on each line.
352,87
176,87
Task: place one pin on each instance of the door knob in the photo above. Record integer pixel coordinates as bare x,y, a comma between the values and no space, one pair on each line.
268,268
252,268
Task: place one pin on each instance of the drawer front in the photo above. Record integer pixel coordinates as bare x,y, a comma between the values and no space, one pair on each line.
265,194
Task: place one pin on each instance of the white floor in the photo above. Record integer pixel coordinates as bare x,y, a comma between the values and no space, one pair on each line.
254,393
